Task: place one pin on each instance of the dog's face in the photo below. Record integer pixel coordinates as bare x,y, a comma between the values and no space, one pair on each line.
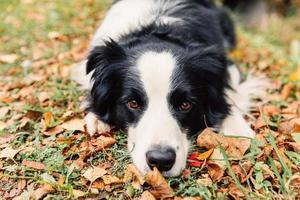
160,96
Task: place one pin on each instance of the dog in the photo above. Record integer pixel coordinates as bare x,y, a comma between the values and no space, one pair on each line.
159,71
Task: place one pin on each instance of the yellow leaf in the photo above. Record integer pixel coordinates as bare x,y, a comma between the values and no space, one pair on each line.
205,155
295,76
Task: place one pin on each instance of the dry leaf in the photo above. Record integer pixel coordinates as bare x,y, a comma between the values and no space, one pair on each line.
6,138
8,58
205,155
74,124
94,173
78,193
54,131
43,96
234,147
215,171
47,118
33,164
109,179
147,196
42,191
2,125
286,91
9,152
132,173
160,187
3,111
103,142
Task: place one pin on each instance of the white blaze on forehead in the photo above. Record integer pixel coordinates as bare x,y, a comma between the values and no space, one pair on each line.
156,70
157,125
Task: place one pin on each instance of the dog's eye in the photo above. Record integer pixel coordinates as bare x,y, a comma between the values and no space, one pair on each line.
185,106
133,104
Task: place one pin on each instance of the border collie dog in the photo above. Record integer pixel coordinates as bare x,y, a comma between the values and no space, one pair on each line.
158,69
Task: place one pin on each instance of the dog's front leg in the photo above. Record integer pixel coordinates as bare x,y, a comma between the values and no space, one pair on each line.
94,125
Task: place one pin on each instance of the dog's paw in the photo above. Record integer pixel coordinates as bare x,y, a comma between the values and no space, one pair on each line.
94,125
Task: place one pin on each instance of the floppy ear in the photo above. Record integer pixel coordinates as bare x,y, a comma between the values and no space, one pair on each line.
106,63
211,63
102,55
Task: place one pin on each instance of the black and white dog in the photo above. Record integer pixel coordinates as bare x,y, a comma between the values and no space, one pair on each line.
158,70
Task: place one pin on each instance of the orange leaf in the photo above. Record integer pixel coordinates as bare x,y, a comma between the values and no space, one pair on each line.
161,189
33,164
205,155
54,131
47,118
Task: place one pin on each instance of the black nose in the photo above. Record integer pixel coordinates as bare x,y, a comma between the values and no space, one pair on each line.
161,157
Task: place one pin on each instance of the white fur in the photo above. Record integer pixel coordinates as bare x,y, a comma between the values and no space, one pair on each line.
157,125
241,99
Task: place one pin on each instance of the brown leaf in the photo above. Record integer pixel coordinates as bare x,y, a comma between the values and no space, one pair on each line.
215,171
44,96
205,155
78,193
74,124
134,175
3,111
147,196
286,91
161,189
6,138
54,131
94,173
234,147
42,191
9,152
98,184
33,164
109,179
103,142
34,115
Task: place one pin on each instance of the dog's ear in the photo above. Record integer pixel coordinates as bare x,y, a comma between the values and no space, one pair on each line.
103,55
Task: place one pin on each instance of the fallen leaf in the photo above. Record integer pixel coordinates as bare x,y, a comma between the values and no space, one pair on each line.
42,191
3,111
215,171
33,164
8,58
147,196
234,147
9,152
134,175
93,173
205,180
2,125
44,96
205,155
286,91
161,189
34,115
74,124
78,193
109,179
53,131
103,142
47,118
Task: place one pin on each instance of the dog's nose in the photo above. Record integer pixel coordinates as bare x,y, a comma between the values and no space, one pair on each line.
162,158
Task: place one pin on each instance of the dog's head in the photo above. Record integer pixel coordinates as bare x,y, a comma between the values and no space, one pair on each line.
160,95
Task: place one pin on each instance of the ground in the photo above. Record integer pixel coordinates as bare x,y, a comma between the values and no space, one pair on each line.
46,153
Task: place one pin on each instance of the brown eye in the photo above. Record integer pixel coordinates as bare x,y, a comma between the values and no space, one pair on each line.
133,104
185,106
